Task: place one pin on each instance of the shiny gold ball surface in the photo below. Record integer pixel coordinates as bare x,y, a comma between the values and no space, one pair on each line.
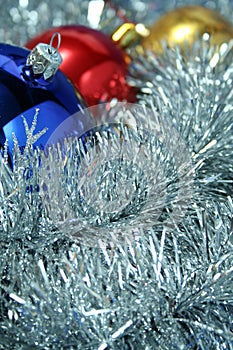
187,24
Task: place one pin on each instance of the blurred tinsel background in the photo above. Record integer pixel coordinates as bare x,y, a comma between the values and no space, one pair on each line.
138,252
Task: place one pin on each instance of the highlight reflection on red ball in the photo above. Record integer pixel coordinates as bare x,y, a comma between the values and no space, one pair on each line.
92,62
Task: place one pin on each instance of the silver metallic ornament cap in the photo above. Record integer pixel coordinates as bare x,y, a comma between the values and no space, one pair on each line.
45,59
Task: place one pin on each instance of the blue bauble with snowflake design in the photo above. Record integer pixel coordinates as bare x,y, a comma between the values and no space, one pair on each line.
30,81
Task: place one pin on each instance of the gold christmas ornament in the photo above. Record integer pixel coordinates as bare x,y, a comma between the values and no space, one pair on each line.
187,24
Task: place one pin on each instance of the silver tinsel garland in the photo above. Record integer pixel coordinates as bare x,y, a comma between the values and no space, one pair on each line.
131,171
166,280
195,93
165,290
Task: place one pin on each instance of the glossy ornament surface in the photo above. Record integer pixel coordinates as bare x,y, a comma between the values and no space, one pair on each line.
186,25
23,89
92,62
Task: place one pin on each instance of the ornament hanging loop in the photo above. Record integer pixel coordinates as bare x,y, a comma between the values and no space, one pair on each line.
44,60
51,47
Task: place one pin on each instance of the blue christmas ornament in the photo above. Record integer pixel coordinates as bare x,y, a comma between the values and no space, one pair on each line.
30,80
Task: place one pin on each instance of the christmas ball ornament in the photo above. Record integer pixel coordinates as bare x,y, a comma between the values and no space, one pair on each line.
187,24
30,81
93,63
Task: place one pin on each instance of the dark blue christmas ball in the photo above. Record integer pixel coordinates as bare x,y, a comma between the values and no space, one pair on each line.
31,80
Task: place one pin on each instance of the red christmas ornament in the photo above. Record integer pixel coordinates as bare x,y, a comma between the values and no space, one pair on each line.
93,63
